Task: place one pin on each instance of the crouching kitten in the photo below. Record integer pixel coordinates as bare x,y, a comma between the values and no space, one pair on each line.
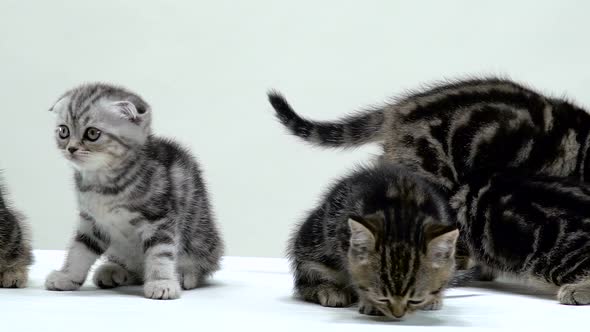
381,236
15,246
143,204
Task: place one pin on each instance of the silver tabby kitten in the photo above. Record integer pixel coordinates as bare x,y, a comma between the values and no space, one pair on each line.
15,246
142,201
381,236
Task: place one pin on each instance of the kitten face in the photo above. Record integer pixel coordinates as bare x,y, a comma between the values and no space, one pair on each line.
400,277
99,125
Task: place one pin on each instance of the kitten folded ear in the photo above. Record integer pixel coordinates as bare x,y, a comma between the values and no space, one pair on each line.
56,104
362,239
127,110
441,243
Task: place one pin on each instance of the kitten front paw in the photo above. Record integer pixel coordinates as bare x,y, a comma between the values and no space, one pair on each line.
59,281
162,289
14,278
366,308
436,304
331,297
110,275
574,294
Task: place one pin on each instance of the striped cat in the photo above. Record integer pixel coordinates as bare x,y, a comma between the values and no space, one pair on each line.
142,201
381,236
15,246
456,133
460,134
537,228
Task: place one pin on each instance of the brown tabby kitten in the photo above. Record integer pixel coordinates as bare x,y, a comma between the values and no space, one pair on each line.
381,236
15,246
460,135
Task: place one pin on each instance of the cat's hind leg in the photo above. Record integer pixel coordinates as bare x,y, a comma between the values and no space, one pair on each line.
189,274
575,293
318,283
15,277
487,274
111,275
199,261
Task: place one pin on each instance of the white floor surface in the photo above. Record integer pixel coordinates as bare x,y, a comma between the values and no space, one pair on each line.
255,294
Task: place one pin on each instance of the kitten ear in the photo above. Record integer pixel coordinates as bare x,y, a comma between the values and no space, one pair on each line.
56,104
442,240
362,240
126,110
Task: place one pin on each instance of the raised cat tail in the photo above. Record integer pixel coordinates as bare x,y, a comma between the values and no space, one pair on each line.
351,131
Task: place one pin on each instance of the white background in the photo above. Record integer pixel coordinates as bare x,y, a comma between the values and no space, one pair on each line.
205,67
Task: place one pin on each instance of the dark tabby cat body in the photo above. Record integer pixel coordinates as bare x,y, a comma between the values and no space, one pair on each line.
460,134
381,236
15,246
533,227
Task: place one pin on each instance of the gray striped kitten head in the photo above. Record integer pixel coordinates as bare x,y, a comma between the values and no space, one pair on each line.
99,125
398,269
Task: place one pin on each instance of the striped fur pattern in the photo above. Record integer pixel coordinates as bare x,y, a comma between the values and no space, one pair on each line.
460,134
15,245
142,201
535,227
381,236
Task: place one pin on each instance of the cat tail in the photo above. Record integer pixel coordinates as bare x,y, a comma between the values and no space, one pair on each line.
462,278
348,132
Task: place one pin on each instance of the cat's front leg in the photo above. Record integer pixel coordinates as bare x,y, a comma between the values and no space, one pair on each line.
83,252
161,277
435,304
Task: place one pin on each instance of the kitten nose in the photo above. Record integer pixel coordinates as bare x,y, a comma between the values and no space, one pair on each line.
398,311
72,149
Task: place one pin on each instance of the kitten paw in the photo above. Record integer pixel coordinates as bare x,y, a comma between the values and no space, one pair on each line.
574,294
330,297
487,274
14,278
368,309
111,275
162,289
189,280
436,304
59,281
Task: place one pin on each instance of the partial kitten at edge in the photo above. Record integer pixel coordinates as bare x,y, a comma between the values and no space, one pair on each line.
15,245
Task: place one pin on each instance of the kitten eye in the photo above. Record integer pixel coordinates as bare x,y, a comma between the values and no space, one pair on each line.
383,301
415,302
63,132
92,134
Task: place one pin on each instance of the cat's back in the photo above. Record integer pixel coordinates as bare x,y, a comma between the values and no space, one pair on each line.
381,187
171,155
443,97
168,152
391,185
